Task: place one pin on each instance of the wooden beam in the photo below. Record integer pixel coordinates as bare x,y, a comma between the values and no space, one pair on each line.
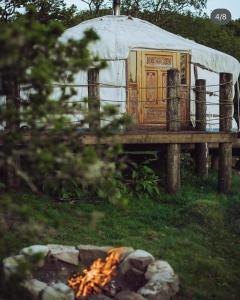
161,138
225,149
201,150
181,137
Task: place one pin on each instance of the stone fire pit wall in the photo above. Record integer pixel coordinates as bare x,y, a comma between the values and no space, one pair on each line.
146,277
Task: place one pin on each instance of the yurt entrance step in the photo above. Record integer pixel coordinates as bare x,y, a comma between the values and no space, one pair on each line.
147,86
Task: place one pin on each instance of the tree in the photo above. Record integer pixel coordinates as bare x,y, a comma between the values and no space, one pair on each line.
53,10
95,5
158,8
8,9
45,11
156,11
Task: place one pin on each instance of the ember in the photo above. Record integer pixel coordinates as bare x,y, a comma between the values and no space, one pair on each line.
93,280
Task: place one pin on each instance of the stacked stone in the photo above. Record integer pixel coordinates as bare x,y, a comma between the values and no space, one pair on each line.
150,279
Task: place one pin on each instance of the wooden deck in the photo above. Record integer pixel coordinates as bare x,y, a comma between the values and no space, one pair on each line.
140,138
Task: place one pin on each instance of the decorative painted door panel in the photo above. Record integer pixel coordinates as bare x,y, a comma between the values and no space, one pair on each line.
147,81
154,82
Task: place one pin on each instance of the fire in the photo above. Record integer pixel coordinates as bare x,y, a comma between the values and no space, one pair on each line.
97,276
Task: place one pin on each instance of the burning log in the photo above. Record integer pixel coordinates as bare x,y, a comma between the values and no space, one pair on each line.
94,280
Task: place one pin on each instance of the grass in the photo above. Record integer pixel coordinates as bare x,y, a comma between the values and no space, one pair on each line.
195,231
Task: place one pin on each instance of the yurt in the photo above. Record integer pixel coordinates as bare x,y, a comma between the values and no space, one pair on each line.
138,55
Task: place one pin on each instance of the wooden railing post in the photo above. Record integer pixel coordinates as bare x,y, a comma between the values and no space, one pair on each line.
201,150
225,149
173,124
93,98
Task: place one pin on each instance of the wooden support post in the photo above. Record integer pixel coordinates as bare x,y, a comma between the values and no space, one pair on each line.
173,124
215,161
225,149
11,90
93,99
173,168
201,150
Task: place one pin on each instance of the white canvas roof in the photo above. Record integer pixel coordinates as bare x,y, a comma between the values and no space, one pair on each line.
119,34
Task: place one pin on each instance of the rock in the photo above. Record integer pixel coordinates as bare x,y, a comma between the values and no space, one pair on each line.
160,267
58,291
125,252
133,268
156,290
128,295
11,264
38,251
138,259
89,253
35,287
68,254
134,278
35,249
163,282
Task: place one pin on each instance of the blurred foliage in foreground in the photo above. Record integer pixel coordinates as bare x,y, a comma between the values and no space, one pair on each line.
42,150
31,56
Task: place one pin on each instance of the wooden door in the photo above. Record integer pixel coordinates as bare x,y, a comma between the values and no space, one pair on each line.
147,82
153,86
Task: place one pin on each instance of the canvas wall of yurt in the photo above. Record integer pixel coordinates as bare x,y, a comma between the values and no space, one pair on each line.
138,55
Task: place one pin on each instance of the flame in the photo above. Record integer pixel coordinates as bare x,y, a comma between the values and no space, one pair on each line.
97,276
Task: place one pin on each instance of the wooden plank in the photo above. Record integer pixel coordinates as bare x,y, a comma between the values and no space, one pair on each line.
154,138
161,138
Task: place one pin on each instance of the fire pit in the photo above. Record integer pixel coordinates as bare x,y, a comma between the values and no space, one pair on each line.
97,273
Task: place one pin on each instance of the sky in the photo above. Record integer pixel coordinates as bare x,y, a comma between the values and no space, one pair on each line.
232,5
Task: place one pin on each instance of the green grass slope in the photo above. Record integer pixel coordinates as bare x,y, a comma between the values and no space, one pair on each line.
196,231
